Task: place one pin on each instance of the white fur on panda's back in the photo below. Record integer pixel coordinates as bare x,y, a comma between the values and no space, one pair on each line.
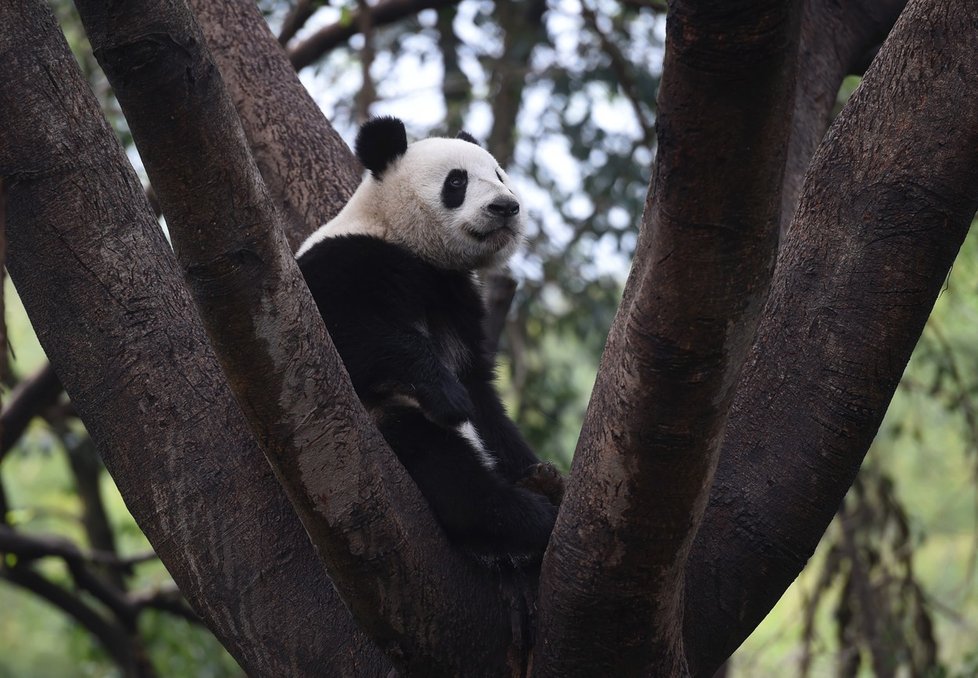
405,207
356,217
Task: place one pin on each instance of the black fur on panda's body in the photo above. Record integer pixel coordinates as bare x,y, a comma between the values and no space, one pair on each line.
409,328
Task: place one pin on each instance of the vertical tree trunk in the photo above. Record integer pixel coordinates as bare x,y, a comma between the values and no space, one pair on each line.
612,582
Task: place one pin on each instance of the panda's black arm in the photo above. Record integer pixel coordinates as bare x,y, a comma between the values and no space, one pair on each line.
385,361
371,296
478,509
498,431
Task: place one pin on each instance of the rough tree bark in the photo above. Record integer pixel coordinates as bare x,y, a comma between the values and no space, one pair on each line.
629,585
835,37
106,299
309,171
612,584
885,207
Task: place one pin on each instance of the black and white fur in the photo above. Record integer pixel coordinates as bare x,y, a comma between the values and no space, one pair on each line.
393,277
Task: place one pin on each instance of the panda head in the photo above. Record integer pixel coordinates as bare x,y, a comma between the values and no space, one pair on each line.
446,200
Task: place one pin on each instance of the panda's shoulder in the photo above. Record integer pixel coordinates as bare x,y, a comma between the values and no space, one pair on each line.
365,264
349,250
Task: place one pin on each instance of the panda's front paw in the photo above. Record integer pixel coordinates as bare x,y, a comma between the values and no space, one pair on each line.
448,406
545,479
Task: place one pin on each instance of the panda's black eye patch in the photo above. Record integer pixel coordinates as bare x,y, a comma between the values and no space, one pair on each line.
453,190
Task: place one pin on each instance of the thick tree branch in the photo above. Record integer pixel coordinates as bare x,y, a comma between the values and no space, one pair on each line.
309,171
329,37
105,296
888,200
433,611
612,583
834,37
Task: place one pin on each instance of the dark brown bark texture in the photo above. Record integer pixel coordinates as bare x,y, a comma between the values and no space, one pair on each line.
366,519
612,581
308,170
835,37
105,297
885,208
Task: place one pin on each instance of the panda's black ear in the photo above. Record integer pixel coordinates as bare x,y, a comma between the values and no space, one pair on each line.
465,136
380,142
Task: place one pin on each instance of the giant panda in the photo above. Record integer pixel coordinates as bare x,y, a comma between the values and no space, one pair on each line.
393,275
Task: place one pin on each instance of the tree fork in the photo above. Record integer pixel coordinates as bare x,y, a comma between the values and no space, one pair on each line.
834,36
889,198
309,171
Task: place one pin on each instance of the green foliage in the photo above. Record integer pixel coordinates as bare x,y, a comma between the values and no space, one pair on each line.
179,648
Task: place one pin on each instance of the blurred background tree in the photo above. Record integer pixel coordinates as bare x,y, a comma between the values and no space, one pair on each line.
557,90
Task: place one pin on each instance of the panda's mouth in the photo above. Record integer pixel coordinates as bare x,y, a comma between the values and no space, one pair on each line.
501,232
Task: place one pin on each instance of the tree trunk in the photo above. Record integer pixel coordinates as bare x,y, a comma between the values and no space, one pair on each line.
107,301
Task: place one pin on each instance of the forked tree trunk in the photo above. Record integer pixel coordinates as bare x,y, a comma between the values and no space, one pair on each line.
656,566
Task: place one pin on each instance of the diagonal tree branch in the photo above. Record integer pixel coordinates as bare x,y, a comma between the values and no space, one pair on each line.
166,599
834,36
623,71
297,17
309,171
612,582
105,295
32,547
385,556
888,201
111,637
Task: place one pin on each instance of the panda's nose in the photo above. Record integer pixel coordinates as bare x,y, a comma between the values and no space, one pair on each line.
504,208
